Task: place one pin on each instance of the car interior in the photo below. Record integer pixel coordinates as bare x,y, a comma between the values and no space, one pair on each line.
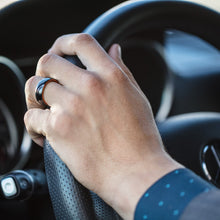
172,49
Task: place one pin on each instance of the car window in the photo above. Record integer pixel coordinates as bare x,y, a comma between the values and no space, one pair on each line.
210,3
4,3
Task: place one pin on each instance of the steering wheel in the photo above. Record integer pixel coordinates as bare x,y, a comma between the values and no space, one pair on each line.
190,132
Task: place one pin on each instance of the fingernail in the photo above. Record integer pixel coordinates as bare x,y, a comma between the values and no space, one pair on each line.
119,49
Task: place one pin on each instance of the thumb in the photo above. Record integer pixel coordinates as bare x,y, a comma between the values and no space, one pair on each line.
115,53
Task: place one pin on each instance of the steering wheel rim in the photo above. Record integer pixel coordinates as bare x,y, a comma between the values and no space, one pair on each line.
113,26
185,16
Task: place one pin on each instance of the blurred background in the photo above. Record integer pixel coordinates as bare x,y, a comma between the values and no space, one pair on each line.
211,3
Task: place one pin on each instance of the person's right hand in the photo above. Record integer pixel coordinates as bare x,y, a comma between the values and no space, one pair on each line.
99,122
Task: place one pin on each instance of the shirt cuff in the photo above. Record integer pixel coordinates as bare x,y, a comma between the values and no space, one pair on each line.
169,196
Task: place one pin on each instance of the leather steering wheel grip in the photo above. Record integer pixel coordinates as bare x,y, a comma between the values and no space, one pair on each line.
70,199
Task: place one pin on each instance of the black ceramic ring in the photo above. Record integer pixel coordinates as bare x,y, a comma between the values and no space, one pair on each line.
39,92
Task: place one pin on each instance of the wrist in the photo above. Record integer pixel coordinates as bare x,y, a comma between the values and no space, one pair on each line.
133,185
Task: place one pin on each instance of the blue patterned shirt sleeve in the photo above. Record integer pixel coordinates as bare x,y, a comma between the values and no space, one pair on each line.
169,196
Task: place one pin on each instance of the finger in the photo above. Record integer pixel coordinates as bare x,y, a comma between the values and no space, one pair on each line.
91,54
30,88
35,121
54,93
53,66
115,53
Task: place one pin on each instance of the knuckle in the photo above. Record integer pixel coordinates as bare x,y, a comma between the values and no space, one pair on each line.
29,83
92,83
44,60
81,39
60,39
84,38
28,118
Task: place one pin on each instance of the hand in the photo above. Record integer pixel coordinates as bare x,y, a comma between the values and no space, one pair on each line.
100,123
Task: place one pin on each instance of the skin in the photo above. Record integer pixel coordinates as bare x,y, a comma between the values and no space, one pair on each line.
100,123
